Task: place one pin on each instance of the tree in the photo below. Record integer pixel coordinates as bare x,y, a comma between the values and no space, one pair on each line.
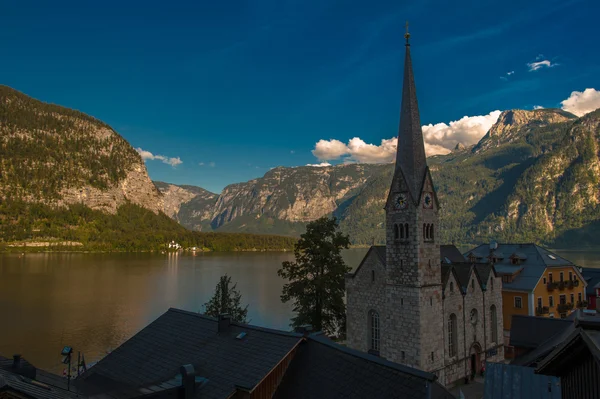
226,300
316,280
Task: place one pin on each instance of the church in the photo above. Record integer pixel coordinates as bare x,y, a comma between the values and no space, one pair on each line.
414,301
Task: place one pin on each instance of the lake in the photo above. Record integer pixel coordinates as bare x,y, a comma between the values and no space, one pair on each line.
94,302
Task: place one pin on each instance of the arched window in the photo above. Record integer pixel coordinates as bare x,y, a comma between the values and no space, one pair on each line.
494,323
374,331
424,231
401,227
372,275
451,286
452,336
405,230
396,232
431,231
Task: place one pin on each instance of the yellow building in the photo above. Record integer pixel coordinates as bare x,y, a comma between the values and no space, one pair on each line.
535,281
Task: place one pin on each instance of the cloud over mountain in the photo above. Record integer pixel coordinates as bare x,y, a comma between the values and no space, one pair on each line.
147,155
580,103
440,138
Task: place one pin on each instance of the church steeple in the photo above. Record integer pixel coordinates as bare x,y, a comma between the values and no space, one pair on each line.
410,154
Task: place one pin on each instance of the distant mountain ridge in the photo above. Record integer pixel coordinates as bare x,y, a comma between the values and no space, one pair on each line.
69,182
486,191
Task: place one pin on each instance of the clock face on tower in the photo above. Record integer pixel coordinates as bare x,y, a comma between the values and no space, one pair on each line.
427,201
400,201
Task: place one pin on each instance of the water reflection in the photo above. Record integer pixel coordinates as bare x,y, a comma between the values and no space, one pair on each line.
94,302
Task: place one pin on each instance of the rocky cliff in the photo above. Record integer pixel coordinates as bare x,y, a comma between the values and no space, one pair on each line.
191,206
532,177
58,156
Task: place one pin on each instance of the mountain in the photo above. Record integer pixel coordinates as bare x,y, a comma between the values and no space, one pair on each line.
191,206
59,156
532,177
69,181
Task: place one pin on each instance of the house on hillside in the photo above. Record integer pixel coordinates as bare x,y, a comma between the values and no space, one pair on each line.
535,281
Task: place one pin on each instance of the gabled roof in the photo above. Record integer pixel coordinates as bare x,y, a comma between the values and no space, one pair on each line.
534,261
451,253
324,369
377,251
155,354
586,336
532,331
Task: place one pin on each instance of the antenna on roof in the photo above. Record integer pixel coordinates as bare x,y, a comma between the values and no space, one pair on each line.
493,245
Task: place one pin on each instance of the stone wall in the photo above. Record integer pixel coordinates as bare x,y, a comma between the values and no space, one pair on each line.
472,337
364,295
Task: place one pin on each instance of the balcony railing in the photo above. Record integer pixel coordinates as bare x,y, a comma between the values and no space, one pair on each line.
582,304
564,307
562,285
542,311
552,285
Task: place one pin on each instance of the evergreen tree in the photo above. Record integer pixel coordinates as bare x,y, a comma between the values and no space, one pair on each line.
226,300
316,282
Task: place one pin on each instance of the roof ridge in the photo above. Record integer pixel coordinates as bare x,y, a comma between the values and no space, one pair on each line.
375,359
241,325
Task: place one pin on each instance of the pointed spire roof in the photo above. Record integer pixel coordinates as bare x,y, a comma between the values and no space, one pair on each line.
410,155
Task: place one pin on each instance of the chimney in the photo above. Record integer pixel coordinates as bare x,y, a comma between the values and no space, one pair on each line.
188,380
305,329
224,322
16,362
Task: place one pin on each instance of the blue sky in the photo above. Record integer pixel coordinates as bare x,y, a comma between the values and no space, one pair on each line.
243,86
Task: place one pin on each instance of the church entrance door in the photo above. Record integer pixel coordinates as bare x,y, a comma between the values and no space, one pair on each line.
475,360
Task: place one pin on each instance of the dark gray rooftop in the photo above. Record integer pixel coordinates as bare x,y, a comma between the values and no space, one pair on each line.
517,382
323,369
155,354
531,331
30,388
534,261
450,253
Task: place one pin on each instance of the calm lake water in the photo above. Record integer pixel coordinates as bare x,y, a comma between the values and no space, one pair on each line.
94,302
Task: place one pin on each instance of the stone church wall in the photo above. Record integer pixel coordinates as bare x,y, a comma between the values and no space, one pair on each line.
362,296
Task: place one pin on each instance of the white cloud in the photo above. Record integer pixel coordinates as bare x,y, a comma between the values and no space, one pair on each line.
329,149
580,103
319,165
538,107
292,152
201,164
510,73
534,66
147,155
503,78
440,138
211,164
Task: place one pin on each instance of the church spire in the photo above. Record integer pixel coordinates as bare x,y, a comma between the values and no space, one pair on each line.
410,154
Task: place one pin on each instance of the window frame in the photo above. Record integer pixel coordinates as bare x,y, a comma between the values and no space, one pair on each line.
374,331
550,301
520,298
452,335
494,323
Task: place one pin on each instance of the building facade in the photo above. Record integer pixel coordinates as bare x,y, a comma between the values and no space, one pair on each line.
535,282
409,303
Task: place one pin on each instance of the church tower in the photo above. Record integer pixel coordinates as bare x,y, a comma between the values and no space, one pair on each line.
413,331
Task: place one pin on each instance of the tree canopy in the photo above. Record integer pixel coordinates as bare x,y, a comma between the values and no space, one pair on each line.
227,300
316,280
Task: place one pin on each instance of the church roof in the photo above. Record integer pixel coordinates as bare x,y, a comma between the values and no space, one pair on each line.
450,254
410,153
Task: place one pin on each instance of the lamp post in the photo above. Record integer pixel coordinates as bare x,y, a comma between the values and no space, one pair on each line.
66,353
